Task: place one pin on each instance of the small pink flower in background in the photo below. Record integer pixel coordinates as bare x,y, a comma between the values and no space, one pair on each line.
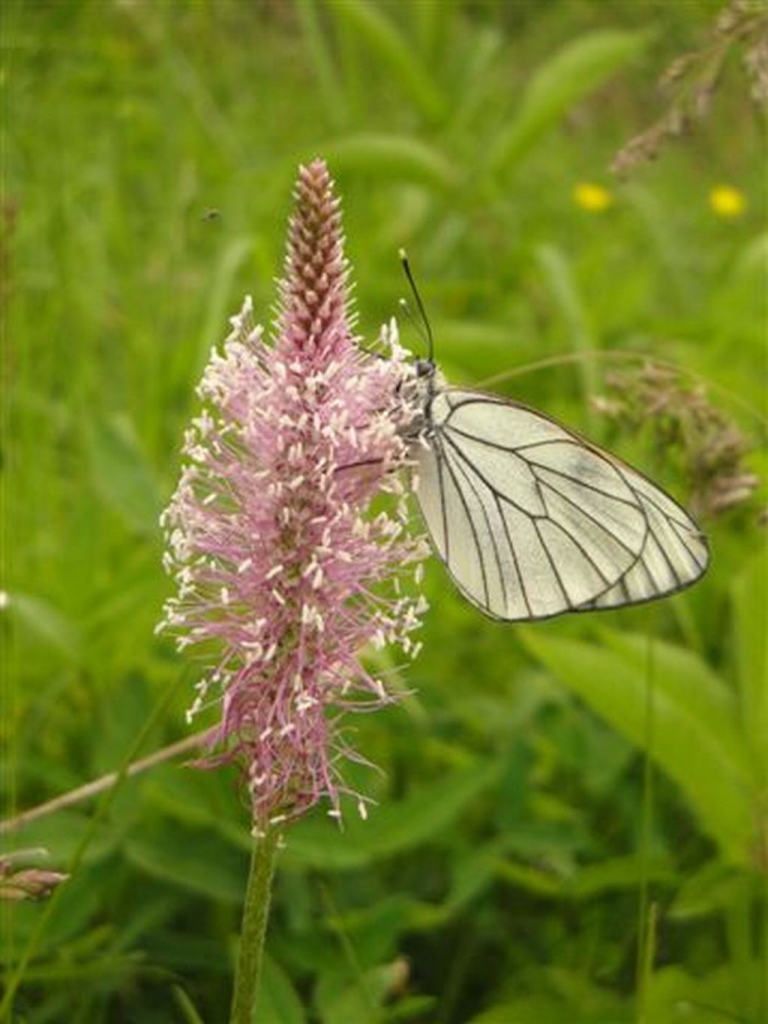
278,560
27,883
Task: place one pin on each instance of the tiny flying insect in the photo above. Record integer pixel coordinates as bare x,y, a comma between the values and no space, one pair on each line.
530,519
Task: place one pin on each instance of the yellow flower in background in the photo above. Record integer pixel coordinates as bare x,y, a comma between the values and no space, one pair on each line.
592,198
727,201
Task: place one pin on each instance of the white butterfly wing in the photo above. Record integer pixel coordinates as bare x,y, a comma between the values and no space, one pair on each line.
531,520
674,556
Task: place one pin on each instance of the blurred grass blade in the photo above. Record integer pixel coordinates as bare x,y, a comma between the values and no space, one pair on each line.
750,600
392,156
753,259
576,70
219,298
476,82
336,105
559,277
646,960
655,217
186,1006
45,622
697,739
187,78
432,21
121,473
388,45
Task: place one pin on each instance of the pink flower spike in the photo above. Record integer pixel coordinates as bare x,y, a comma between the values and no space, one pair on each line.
276,558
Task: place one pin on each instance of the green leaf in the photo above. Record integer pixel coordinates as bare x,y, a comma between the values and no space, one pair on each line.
702,697
194,859
121,474
576,70
474,872
532,879
695,739
542,1009
390,48
197,799
277,1001
617,873
390,829
675,996
585,1003
391,157
342,999
374,931
714,887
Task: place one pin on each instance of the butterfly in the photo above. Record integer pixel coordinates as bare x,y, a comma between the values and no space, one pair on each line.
530,519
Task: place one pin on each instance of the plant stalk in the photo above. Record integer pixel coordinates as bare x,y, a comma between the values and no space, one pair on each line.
90,789
254,928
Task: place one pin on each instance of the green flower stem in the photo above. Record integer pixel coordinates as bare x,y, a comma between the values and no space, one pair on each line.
254,927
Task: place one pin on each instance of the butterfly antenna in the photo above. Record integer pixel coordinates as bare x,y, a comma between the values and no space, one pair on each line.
419,304
416,323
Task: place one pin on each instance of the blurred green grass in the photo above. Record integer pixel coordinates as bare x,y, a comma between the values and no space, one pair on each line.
516,826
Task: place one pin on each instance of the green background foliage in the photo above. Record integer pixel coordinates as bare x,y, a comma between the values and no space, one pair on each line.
559,802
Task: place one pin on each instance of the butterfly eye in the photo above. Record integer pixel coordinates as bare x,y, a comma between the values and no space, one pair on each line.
424,367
